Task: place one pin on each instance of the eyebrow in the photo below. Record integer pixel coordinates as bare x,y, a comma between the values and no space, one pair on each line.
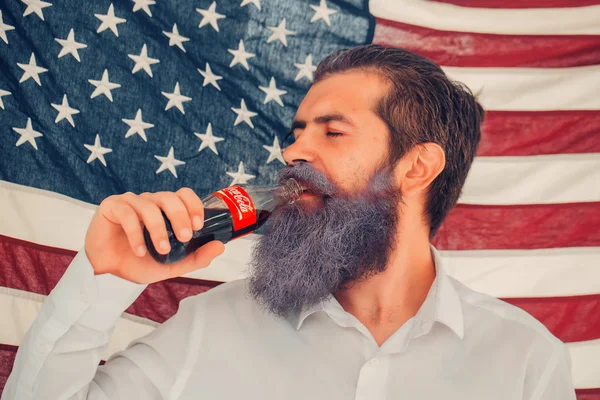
323,119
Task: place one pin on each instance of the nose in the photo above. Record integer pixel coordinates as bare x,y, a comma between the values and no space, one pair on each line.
300,151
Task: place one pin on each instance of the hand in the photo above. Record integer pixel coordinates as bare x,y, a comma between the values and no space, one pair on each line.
114,242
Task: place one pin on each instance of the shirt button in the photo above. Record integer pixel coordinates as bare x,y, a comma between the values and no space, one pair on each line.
83,296
374,361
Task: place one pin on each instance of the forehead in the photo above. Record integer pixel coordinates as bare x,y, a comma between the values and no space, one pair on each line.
352,92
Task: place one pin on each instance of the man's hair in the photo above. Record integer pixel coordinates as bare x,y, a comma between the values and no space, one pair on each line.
423,105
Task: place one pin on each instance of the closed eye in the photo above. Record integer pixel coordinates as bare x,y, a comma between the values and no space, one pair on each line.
289,139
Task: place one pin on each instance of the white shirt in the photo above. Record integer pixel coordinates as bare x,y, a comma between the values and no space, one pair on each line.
461,345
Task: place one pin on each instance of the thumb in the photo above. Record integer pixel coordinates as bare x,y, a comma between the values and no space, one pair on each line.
201,258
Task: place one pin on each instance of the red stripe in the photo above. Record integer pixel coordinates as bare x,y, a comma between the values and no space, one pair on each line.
40,267
476,227
35,268
521,3
526,133
466,49
565,317
588,394
7,359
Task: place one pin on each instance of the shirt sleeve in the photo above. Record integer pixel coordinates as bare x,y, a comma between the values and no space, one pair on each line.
59,356
556,383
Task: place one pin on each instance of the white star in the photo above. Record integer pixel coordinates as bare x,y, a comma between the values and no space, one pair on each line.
31,70
2,94
103,86
143,61
255,2
70,46
169,162
241,56
35,6
240,177
322,12
97,151
210,77
306,69
273,93
210,16
4,28
27,134
109,21
143,5
275,152
176,99
65,111
137,126
280,33
208,140
175,39
243,115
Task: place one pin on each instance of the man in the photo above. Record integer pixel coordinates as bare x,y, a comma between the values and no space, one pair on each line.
346,298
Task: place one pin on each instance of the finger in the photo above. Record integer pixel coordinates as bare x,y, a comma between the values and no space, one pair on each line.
150,214
201,258
106,208
176,212
194,206
124,215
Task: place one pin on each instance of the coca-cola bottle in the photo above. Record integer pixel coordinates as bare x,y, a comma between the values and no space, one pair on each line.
228,214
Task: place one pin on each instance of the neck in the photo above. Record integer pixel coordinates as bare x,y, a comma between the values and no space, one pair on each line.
384,302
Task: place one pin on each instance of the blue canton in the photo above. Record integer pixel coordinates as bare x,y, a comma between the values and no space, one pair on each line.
101,97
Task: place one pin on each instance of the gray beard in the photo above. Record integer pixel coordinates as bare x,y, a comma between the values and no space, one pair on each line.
306,254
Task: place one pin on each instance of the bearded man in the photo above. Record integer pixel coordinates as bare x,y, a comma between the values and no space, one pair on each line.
346,297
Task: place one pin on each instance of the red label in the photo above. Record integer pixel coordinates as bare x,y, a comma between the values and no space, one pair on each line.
240,206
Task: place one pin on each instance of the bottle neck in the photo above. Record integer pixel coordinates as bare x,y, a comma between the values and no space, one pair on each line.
263,197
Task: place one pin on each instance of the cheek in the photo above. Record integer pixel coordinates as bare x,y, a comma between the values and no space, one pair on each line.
351,174
352,168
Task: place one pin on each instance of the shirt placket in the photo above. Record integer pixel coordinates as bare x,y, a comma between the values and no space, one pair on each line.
372,379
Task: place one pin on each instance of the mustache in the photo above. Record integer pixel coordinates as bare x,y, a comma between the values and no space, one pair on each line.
311,179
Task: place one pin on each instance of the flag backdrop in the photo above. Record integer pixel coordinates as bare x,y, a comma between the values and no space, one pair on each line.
102,97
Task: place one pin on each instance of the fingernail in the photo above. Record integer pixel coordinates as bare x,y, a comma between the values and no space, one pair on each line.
141,251
197,221
164,245
185,233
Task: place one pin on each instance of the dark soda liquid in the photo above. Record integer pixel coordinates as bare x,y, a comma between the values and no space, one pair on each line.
217,226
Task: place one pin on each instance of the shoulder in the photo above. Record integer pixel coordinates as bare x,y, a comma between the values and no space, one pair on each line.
496,322
229,301
514,338
232,292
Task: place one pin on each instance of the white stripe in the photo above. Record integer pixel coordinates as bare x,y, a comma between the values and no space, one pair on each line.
502,273
546,179
23,307
499,273
532,89
527,273
585,358
43,217
449,17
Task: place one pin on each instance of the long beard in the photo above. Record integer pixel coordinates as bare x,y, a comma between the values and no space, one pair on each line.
307,254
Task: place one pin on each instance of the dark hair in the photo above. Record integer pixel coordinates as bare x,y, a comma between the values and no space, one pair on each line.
423,105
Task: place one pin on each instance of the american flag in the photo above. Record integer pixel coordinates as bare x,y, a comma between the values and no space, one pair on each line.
103,97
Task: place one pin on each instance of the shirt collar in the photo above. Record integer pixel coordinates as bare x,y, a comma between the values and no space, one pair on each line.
441,305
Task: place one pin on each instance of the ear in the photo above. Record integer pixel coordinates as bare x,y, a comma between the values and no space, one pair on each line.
421,166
